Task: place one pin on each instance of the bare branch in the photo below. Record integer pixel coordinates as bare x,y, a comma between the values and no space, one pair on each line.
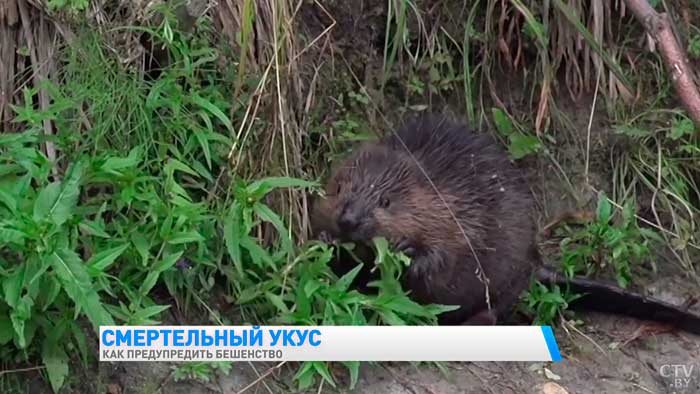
658,25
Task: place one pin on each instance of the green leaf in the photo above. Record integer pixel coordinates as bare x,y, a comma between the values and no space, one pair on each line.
354,369
156,270
214,110
100,261
266,214
143,316
12,285
257,253
167,262
232,237
261,187
604,210
93,228
322,369
56,361
76,282
115,165
11,236
502,122
346,280
185,237
21,314
277,302
6,330
630,131
404,305
45,201
8,201
56,201
681,127
174,164
142,246
522,145
305,375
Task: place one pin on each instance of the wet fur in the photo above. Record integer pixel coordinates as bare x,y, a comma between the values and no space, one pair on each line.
479,184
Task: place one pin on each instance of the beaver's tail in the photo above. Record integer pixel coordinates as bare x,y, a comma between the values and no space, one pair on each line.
603,297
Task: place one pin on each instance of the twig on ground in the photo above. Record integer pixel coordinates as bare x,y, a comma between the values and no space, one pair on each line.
261,377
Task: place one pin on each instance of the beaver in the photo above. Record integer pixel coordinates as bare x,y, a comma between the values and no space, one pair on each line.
450,198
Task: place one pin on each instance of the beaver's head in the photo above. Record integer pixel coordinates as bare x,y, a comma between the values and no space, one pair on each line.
377,191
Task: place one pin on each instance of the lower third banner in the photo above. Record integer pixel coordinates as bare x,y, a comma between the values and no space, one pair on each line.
328,343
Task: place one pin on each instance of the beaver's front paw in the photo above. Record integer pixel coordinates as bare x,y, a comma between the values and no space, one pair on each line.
326,237
405,246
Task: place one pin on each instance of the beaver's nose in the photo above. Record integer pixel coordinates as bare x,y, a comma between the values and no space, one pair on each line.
348,220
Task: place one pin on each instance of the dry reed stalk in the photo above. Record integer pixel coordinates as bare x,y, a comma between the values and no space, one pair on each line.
281,108
9,23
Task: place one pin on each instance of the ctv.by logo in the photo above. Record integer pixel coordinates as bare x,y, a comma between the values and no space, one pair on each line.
681,376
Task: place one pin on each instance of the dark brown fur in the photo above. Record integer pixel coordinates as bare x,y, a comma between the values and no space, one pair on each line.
476,184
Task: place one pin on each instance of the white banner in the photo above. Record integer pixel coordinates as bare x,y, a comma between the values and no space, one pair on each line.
328,343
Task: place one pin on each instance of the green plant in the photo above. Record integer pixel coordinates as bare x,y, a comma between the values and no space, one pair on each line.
203,371
602,243
546,303
519,143
304,291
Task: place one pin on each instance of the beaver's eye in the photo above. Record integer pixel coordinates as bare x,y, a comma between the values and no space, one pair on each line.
384,202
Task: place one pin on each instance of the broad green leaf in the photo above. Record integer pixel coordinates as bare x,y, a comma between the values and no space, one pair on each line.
76,282
56,361
8,201
46,200
522,145
502,122
114,165
12,286
11,236
57,200
19,316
